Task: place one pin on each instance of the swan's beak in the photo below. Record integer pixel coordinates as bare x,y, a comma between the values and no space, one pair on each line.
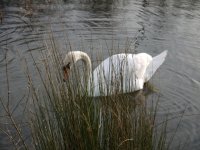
66,74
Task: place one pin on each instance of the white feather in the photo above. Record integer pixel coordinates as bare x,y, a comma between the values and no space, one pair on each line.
155,64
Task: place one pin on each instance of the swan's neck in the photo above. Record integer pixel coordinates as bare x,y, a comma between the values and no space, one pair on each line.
88,66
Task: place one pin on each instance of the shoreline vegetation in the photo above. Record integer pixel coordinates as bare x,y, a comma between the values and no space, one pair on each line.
60,115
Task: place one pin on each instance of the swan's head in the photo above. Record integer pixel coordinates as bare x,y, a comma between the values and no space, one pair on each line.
70,59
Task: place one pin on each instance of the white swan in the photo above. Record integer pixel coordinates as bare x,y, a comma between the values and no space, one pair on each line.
120,73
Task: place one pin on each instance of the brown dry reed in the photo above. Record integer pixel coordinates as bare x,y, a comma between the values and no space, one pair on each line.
63,116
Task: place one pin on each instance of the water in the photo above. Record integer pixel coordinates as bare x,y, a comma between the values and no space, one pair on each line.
158,24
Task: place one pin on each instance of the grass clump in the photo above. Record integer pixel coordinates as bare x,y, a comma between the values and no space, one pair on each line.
64,117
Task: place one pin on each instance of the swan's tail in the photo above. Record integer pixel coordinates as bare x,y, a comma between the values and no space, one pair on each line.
156,62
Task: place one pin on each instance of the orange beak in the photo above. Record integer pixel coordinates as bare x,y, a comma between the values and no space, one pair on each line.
66,74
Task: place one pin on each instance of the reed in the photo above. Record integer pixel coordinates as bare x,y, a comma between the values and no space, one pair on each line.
63,116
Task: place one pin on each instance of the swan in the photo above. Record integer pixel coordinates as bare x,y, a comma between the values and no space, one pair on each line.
119,73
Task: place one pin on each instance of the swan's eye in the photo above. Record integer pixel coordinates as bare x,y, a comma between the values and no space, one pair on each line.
66,66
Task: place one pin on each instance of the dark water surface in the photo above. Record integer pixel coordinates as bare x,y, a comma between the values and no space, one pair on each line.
157,24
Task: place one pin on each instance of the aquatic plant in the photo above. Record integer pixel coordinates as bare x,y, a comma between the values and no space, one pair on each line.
65,117
61,116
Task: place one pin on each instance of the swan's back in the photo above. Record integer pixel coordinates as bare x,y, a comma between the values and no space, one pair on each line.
120,73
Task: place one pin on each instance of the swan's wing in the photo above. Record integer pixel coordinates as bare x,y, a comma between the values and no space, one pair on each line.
141,62
121,72
154,65
105,73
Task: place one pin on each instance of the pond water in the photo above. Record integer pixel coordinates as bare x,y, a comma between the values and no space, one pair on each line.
155,24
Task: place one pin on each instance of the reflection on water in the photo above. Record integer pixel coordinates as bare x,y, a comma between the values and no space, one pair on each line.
102,26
